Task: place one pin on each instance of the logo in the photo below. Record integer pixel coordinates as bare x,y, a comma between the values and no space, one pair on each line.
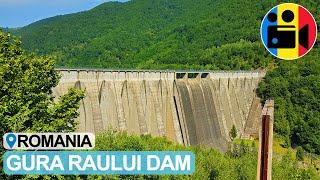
35,141
288,31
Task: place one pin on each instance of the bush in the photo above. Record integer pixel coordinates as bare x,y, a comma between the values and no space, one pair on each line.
300,154
210,164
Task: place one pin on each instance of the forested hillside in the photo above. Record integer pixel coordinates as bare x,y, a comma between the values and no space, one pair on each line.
188,34
295,87
155,34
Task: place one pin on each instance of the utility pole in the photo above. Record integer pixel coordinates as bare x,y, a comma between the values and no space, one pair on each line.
265,142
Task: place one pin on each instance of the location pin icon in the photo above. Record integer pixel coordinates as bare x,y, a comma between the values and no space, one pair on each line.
11,140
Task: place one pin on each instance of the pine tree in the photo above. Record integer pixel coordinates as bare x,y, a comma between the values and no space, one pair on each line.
233,133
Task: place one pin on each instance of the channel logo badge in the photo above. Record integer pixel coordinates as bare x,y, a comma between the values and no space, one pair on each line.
288,31
47,141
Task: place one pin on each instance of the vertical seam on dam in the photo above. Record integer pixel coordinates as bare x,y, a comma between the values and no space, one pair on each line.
176,107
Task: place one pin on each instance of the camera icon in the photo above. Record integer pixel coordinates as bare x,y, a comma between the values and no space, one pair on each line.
284,36
288,31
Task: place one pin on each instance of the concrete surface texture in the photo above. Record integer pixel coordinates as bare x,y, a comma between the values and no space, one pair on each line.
191,108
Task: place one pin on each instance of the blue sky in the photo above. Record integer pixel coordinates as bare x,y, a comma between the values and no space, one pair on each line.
18,13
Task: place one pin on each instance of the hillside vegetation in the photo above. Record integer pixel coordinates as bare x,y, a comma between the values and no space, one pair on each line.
295,87
156,34
188,34
240,163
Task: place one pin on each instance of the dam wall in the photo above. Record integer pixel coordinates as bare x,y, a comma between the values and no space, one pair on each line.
210,106
190,108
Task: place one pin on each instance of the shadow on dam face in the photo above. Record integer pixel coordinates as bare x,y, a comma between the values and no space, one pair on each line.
190,108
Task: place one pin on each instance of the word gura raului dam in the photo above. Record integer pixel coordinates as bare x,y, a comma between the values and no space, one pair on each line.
191,108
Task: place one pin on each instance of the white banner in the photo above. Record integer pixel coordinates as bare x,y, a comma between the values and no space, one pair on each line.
48,141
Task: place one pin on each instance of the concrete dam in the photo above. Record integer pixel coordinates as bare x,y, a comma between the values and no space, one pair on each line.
190,108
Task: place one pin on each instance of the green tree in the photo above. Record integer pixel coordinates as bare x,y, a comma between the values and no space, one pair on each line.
26,101
233,133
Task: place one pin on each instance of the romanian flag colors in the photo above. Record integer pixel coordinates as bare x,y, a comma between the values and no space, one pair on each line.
288,31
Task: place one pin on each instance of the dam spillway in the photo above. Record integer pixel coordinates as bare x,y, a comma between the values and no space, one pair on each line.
190,108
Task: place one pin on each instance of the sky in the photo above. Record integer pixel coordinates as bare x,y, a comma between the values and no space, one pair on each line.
19,13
